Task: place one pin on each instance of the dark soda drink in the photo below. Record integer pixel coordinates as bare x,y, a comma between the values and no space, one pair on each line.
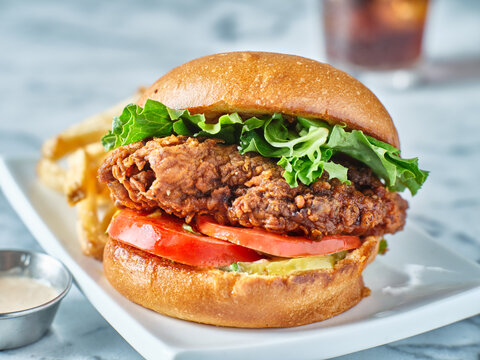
375,34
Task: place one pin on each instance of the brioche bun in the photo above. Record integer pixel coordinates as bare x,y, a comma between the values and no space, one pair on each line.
216,297
264,83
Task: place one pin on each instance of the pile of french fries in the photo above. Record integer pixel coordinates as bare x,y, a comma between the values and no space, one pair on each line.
76,177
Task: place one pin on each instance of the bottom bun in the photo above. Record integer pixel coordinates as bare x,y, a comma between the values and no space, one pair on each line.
233,299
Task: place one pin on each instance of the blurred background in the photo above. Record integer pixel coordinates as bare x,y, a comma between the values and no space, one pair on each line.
67,60
61,61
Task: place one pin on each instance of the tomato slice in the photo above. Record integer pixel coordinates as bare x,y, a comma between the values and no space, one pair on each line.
163,235
275,244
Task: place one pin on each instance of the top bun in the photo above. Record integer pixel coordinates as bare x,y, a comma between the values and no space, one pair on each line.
263,83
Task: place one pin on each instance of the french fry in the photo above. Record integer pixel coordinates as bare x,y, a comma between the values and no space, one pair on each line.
103,195
90,232
76,136
95,152
76,177
107,217
51,174
92,241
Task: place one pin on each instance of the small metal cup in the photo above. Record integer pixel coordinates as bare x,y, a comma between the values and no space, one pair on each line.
24,327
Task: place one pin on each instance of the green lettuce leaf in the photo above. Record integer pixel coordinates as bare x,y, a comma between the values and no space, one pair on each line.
382,158
304,149
382,247
157,120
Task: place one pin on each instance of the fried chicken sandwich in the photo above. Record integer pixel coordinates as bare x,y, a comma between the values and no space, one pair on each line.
253,190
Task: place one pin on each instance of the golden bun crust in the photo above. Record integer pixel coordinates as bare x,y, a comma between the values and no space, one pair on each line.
263,83
221,298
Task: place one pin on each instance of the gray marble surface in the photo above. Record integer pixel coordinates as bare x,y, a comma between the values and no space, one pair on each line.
61,61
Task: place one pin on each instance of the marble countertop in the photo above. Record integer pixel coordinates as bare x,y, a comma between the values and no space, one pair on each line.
63,61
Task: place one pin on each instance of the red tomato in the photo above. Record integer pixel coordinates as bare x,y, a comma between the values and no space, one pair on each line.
164,235
275,244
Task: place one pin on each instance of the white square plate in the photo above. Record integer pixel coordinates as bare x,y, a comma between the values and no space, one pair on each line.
417,286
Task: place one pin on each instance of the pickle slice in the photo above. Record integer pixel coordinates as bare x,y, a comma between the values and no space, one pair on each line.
287,266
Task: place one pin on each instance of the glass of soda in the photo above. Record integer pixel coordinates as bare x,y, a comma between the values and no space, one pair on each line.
374,35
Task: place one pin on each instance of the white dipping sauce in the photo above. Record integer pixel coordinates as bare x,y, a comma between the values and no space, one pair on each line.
21,293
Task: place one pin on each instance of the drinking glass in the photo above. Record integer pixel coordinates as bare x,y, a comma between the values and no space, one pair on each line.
374,35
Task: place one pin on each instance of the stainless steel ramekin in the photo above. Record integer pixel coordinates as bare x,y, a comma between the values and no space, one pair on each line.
20,328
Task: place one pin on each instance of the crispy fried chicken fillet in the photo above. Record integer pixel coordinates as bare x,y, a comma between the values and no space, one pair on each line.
188,177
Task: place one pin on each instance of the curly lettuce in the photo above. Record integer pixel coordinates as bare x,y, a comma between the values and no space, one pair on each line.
304,148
